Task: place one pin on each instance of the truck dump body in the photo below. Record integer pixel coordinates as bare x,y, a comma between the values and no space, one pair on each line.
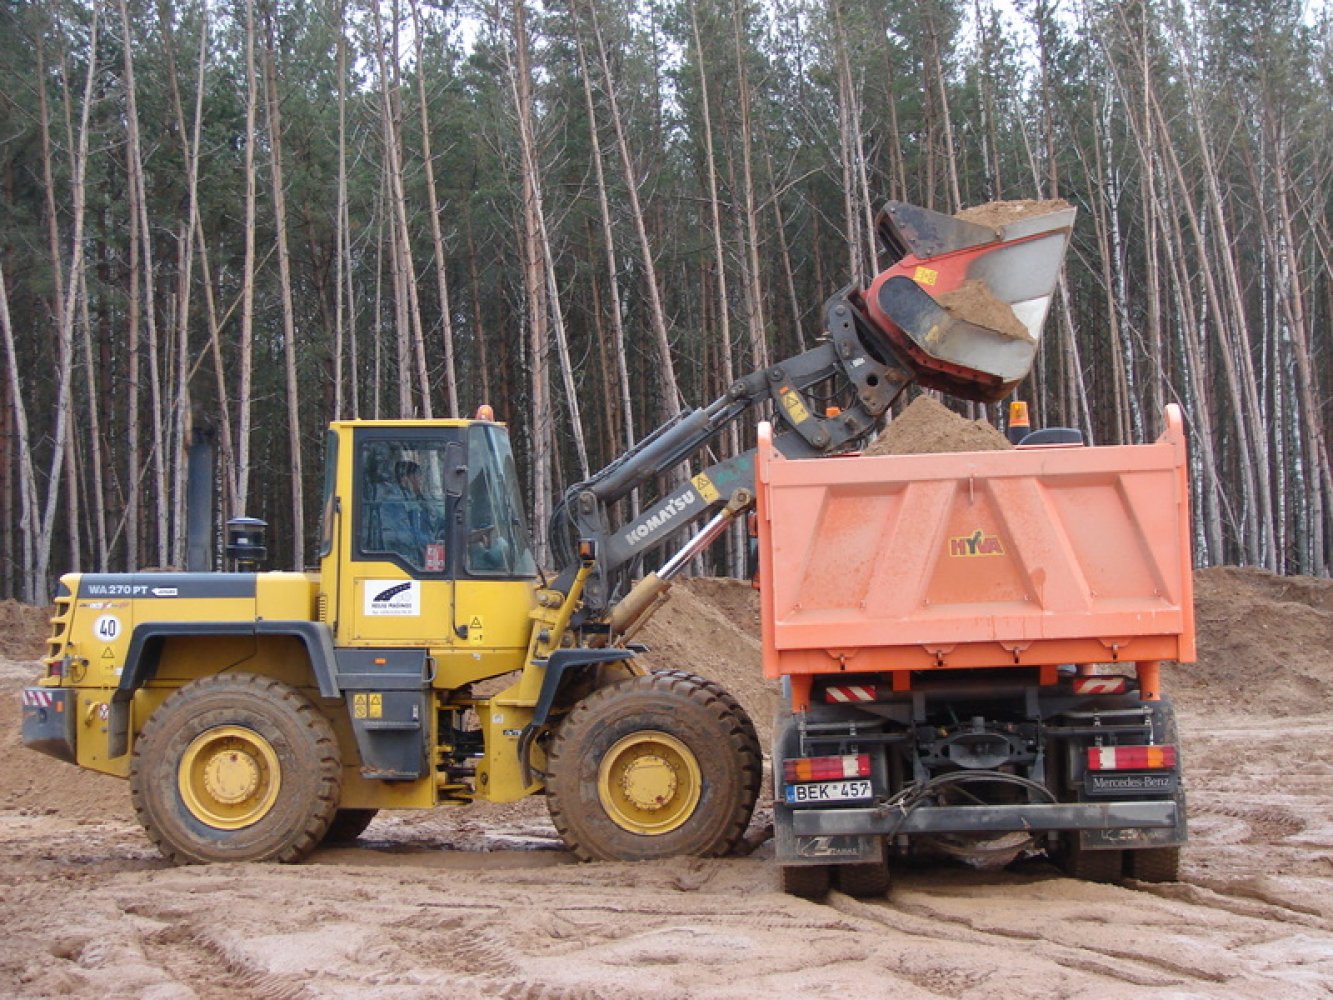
1031,557
970,644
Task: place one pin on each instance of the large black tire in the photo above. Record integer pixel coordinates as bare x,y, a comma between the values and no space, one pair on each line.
1090,866
1153,864
236,768
865,879
807,881
348,825
1161,864
656,766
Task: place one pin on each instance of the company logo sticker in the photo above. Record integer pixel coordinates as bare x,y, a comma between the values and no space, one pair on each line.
976,544
670,508
393,598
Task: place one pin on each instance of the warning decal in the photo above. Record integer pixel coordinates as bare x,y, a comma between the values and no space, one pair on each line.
368,705
706,488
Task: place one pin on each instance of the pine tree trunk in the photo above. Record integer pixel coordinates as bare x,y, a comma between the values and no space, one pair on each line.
437,238
288,308
670,397
245,349
534,282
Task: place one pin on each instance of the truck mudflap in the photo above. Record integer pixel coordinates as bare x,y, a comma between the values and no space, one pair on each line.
48,721
1120,817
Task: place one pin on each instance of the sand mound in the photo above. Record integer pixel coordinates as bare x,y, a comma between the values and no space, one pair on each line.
927,426
24,629
1265,643
38,785
710,627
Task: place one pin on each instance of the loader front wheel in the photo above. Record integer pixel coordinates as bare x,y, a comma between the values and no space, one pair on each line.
656,766
236,768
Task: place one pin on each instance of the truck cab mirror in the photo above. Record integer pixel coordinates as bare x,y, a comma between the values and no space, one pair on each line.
455,469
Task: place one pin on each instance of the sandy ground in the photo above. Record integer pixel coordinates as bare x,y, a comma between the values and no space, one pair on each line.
482,901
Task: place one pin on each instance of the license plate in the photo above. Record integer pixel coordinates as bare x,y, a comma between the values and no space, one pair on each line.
828,791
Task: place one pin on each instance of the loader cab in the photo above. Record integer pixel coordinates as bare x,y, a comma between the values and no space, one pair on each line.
424,543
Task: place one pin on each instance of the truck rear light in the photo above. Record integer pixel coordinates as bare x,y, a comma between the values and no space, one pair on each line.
1131,758
841,694
1109,684
826,768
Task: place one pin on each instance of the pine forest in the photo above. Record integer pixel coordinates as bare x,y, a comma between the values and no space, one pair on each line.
238,220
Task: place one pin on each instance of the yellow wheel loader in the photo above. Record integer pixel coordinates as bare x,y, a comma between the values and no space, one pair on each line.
427,661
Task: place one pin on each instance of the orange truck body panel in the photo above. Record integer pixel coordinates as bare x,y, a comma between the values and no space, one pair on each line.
1028,557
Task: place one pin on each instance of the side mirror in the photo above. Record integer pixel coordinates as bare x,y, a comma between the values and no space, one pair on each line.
455,469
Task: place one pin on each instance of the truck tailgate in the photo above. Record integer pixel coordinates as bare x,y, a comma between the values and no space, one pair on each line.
1027,557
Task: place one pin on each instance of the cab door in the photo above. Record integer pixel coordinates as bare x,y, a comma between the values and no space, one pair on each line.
403,552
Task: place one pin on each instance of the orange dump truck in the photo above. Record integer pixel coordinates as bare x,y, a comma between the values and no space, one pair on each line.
969,646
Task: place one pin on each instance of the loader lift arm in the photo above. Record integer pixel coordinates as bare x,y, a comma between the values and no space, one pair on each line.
866,385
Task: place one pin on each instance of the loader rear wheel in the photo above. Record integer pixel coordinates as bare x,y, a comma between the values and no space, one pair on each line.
236,768
662,765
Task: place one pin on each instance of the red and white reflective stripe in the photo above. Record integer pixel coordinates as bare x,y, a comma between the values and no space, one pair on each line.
1140,758
38,698
843,693
1112,684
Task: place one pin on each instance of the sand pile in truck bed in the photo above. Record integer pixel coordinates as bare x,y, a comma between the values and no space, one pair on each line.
927,426
1001,213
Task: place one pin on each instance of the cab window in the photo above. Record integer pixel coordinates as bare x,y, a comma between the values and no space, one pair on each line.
401,511
497,542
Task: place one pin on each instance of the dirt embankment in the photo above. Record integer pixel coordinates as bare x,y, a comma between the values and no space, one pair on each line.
483,902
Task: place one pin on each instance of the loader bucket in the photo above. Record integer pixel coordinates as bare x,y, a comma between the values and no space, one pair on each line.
964,301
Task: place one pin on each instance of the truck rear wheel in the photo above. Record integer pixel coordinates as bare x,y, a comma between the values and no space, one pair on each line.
865,879
236,768
807,881
1077,861
662,765
1153,864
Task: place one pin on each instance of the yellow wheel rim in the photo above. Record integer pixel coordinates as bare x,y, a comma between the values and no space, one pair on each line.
649,783
229,777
